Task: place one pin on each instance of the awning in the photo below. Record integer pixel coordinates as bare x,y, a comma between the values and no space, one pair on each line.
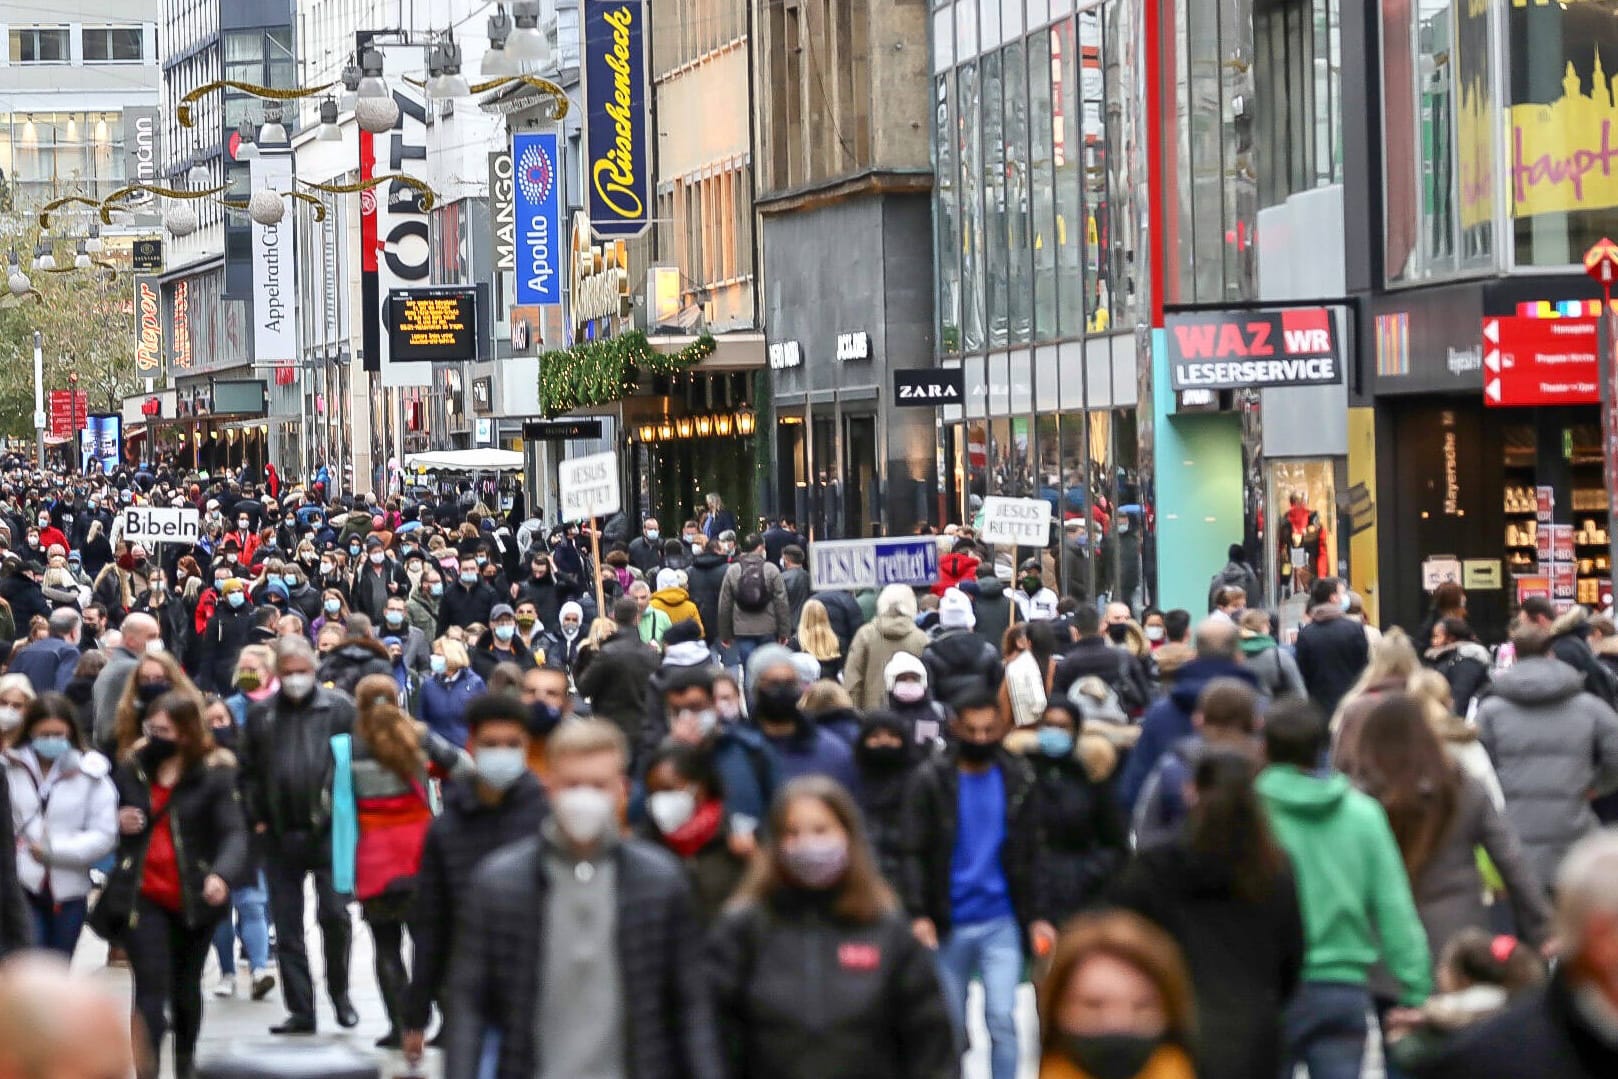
732,351
484,460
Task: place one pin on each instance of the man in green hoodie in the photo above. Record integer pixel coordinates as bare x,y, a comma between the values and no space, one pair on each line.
1356,900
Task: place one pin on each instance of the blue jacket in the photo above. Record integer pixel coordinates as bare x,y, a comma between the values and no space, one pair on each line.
749,771
1169,720
47,664
443,704
813,751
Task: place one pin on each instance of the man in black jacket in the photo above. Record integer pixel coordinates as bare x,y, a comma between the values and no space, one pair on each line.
287,770
971,872
468,600
1332,649
580,946
502,804
617,678
1092,655
958,663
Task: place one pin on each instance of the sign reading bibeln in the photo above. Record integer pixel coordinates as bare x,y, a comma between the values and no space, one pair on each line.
160,524
1025,522
589,486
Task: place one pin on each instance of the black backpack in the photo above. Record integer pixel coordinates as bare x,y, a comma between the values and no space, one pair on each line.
752,590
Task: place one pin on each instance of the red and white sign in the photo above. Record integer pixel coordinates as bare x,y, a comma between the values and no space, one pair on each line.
1540,361
68,409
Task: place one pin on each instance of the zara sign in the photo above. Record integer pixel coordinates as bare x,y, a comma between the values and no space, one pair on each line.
928,387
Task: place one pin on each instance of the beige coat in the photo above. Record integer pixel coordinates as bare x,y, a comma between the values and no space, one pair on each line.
876,642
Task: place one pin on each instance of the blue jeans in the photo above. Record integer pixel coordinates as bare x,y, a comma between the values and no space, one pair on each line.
251,905
57,925
992,951
1324,1030
745,647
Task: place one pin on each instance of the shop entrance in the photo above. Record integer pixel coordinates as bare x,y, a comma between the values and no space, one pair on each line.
862,492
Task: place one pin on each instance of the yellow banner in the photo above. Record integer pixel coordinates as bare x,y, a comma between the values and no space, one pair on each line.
1564,156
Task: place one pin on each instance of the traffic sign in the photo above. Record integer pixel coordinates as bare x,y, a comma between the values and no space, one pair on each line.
1540,361
1601,261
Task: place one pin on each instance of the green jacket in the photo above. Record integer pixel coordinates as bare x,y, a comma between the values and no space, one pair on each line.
653,624
1351,881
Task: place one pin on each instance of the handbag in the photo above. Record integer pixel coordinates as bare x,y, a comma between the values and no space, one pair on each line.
345,816
108,918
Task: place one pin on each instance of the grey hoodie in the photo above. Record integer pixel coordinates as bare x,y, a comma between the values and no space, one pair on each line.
1553,746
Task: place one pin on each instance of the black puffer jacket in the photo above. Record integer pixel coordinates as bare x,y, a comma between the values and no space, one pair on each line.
703,581
882,789
958,663
1084,835
995,611
467,831
1465,666
801,993
352,660
205,817
287,765
930,823
226,634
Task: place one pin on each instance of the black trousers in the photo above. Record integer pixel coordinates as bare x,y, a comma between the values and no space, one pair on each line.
166,959
386,917
284,871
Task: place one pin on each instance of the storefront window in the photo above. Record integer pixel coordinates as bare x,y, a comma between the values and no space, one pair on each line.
948,239
994,198
1303,505
1298,123
1067,158
1078,551
970,152
1018,231
1563,61
1435,85
1097,204
1475,131
1044,180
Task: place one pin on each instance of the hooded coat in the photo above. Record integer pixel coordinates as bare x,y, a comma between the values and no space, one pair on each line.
1275,669
678,605
704,580
960,663
1552,745
1465,666
881,789
995,611
875,643
352,660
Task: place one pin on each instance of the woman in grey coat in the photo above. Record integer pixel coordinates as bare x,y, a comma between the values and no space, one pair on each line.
1440,815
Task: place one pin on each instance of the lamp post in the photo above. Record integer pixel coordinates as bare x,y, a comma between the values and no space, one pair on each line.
39,396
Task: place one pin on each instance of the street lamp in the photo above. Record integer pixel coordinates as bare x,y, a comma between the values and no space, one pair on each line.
496,63
92,244
273,133
16,280
527,47
329,131
444,65
247,148
197,176
374,108
44,260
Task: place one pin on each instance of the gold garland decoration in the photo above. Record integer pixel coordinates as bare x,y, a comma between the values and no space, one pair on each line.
427,197
45,212
318,204
562,103
183,112
166,192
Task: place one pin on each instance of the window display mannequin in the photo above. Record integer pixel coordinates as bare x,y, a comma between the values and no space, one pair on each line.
1303,544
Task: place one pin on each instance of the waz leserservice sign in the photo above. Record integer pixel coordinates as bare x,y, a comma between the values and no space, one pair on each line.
618,152
1232,350
537,198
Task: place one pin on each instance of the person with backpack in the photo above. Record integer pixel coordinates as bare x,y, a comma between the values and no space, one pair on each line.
1093,656
958,662
753,607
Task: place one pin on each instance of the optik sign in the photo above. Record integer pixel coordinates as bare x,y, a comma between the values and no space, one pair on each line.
537,197
618,165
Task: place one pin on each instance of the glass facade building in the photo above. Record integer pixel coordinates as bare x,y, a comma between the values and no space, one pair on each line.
1039,209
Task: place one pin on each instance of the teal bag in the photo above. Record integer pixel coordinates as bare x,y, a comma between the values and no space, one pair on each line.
345,816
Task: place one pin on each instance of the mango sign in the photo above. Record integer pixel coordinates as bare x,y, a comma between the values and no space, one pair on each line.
1024,522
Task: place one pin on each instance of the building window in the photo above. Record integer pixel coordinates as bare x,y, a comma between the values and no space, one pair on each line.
39,45
113,44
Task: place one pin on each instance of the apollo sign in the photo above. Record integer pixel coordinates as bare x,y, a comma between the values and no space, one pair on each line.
537,205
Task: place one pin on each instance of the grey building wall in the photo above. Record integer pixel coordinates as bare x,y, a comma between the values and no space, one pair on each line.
860,264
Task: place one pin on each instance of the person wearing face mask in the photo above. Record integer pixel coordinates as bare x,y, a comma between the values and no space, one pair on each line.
449,690
1154,627
64,811
686,815
468,600
1117,1003
499,644
396,623
395,761
802,746
288,767
570,636
498,804
111,685
182,848
972,863
910,698
1035,602
547,589
608,920
222,640
302,599
814,972
376,580
422,606
49,534
886,753
646,550
746,768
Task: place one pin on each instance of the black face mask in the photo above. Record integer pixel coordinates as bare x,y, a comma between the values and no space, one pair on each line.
225,737
883,758
150,691
978,752
1109,1056
776,702
1118,632
160,749
542,719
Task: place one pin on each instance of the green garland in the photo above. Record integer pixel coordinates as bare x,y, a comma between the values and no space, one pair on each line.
600,372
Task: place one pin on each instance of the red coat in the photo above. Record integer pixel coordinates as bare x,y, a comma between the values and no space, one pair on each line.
953,569
51,534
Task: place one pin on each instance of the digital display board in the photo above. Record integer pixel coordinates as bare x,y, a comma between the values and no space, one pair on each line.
439,324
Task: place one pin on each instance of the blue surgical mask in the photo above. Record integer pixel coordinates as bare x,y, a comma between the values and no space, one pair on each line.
332,606
437,664
1055,742
237,599
48,747
1344,603
395,618
435,589
482,560
500,766
504,633
469,578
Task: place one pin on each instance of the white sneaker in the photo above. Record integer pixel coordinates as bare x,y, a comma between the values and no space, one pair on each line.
226,986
